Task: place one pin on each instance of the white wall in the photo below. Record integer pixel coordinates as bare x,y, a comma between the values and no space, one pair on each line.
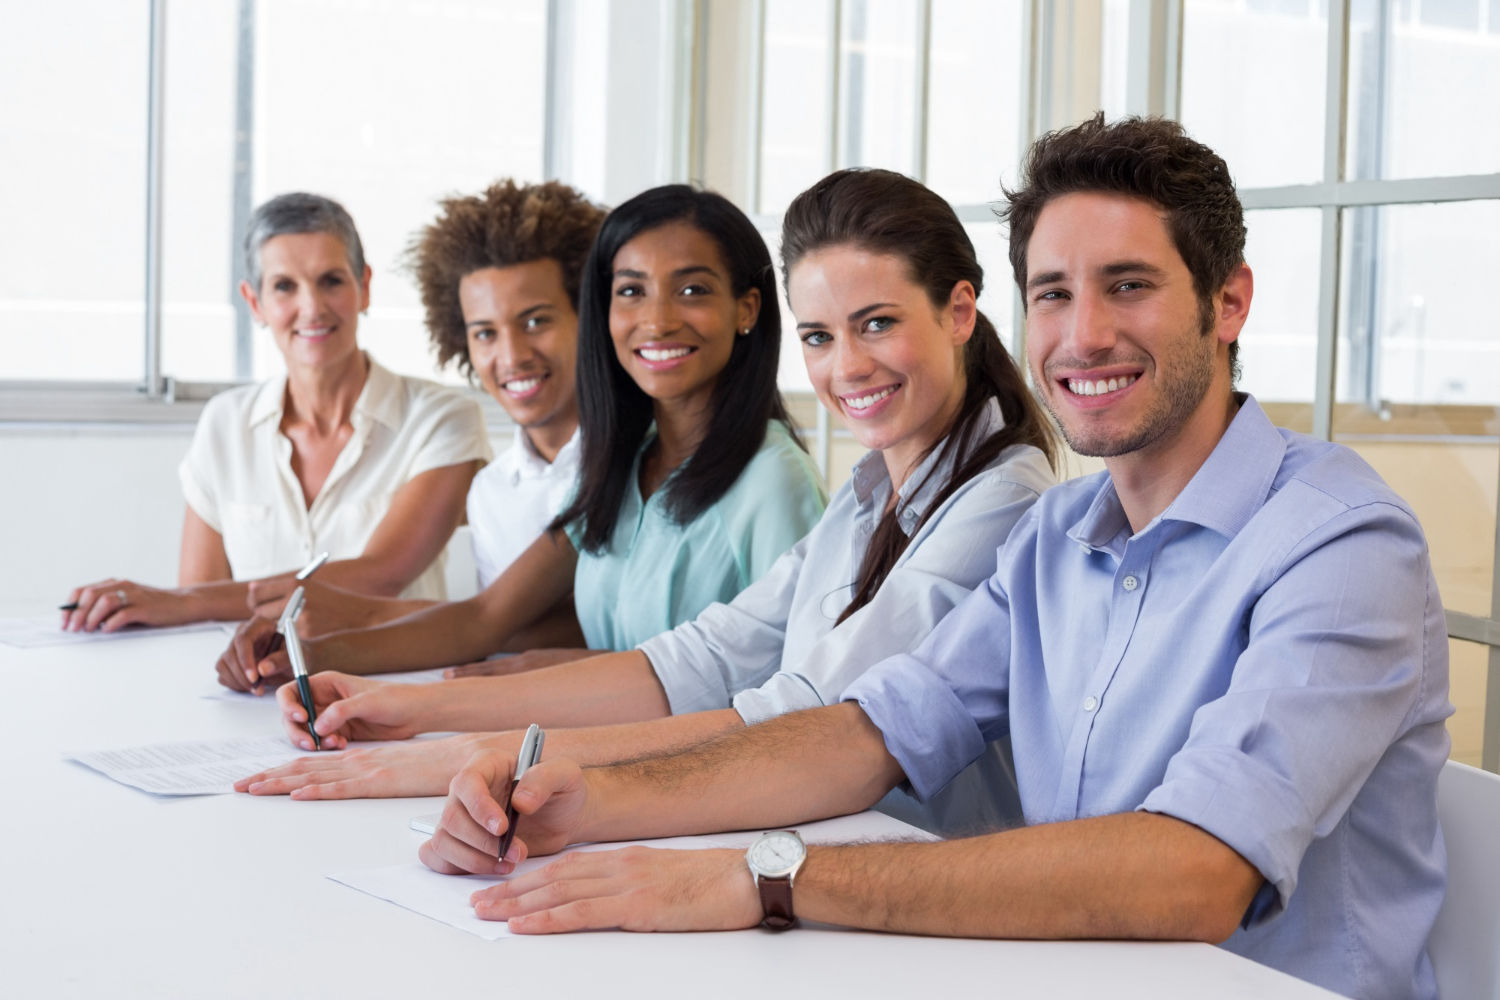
82,503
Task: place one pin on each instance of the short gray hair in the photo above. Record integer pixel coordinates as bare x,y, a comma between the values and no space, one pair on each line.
299,212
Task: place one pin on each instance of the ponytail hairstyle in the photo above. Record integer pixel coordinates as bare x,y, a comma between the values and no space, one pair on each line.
882,212
614,413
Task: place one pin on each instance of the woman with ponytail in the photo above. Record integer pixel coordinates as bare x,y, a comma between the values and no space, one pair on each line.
884,282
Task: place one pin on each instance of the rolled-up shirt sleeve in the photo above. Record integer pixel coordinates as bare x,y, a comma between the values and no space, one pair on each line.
728,647
1334,671
938,706
949,553
450,430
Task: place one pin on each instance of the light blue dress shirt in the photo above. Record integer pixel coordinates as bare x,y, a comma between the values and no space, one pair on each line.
775,649
657,573
1267,660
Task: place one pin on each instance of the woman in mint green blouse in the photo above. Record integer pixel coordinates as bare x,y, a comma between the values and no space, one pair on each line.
691,480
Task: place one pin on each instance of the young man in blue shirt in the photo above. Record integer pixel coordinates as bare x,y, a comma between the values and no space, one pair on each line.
1222,663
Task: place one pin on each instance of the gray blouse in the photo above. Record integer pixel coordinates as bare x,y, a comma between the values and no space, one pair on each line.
775,648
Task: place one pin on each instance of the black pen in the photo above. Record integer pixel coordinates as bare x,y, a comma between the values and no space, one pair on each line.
288,628
531,754
70,606
274,646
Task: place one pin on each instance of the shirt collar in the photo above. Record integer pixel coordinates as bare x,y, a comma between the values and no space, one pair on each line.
383,398
1235,481
1225,492
870,479
269,399
529,462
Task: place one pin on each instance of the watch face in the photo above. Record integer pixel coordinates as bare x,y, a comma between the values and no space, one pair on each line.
776,854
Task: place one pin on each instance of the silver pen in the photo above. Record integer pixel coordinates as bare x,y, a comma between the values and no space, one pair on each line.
530,755
287,626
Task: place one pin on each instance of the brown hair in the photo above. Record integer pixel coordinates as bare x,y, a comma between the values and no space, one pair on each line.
508,224
1148,158
882,212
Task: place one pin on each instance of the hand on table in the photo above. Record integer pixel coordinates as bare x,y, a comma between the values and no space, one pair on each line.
423,767
551,797
634,889
351,708
326,608
112,604
245,664
519,663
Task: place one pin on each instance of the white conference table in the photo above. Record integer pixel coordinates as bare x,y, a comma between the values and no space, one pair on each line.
108,891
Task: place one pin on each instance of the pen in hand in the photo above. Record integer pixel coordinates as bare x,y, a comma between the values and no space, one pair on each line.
531,754
274,646
288,628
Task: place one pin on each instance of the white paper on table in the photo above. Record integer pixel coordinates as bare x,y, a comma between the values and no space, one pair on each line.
42,630
207,767
405,677
414,886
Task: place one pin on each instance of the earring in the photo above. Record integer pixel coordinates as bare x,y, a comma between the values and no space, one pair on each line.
745,332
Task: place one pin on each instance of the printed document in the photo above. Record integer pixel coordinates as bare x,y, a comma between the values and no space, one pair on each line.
208,767
30,633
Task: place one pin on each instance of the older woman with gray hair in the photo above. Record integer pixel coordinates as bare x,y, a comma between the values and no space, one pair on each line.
337,455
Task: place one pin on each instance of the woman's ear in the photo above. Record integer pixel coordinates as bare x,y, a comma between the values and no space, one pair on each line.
747,312
252,300
963,306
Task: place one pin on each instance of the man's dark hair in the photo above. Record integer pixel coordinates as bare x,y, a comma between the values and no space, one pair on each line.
1148,158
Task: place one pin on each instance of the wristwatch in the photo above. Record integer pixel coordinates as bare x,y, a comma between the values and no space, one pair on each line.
774,860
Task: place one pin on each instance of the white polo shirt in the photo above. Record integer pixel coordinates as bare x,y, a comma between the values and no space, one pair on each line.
513,499
238,478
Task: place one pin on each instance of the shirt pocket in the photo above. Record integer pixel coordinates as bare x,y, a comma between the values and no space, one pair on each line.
249,540
347,531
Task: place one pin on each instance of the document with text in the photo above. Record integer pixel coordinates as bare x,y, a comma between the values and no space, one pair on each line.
207,767
42,630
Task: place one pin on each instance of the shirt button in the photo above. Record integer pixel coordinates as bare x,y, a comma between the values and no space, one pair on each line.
1130,583
1090,703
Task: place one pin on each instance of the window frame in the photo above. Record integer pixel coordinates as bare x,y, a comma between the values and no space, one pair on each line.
1061,84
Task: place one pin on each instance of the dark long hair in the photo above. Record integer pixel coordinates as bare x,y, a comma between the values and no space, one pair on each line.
882,212
614,413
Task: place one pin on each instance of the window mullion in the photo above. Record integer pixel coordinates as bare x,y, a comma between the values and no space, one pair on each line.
1335,112
152,383
923,62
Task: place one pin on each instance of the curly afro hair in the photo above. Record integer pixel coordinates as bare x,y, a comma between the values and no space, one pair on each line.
508,224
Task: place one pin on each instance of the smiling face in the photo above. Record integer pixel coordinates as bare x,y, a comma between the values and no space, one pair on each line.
673,314
1115,337
309,298
523,341
878,352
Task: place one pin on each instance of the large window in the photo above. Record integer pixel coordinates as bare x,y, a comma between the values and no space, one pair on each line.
385,105
930,89
1359,135
73,197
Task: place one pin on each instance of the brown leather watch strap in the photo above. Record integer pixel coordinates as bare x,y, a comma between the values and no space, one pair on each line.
776,902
